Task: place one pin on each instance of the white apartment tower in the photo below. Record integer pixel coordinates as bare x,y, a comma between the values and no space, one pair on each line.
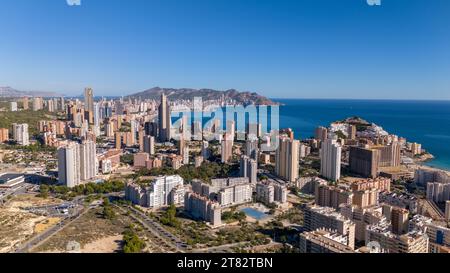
330,159
69,165
20,134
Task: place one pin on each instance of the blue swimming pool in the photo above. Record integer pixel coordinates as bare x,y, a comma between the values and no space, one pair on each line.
254,213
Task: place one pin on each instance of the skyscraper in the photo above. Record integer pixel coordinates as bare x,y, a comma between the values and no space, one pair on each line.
89,105
69,165
25,103
87,160
330,159
249,168
447,210
364,161
149,145
205,150
227,148
4,135
20,134
287,159
321,133
251,148
164,124
399,220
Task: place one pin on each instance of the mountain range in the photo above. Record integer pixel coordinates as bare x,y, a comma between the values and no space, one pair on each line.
245,98
9,92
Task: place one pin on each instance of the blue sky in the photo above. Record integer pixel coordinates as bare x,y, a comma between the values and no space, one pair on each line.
281,49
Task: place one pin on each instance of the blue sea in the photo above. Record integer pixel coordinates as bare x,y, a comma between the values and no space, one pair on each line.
425,122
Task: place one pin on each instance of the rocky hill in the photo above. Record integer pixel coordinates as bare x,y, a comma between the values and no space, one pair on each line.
9,92
244,98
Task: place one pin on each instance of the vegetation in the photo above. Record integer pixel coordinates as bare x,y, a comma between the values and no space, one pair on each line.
169,218
341,135
33,148
132,242
43,191
127,159
108,212
30,117
230,216
64,192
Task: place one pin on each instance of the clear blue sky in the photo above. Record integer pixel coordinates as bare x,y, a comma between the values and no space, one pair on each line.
281,49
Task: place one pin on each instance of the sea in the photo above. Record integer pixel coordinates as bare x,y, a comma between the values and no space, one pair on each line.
425,122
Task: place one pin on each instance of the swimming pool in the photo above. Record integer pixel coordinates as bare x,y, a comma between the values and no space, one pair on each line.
254,213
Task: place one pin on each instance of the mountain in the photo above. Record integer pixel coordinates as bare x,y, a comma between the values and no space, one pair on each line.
244,98
13,93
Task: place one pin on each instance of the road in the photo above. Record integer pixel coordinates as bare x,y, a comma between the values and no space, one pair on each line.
229,247
156,229
77,211
20,189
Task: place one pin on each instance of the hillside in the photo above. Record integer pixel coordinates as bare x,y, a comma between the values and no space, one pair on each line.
244,98
9,92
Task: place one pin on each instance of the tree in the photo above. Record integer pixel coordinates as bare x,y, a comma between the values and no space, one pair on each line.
132,243
44,190
169,218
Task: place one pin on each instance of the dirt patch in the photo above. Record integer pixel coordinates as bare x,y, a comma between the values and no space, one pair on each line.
86,230
46,224
18,225
109,244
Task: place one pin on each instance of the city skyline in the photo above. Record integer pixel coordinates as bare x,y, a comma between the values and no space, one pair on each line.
302,49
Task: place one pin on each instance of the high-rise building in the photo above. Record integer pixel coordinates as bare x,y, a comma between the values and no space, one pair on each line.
249,168
164,119
366,198
321,133
203,208
37,104
4,135
89,105
287,159
62,103
362,217
96,114
330,159
185,155
331,196
13,106
412,242
235,195
160,190
25,103
399,220
265,193
251,148
447,210
389,155
87,160
20,134
324,217
351,132
149,145
416,148
205,150
227,148
324,241
438,192
69,165
364,161
163,191
140,160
